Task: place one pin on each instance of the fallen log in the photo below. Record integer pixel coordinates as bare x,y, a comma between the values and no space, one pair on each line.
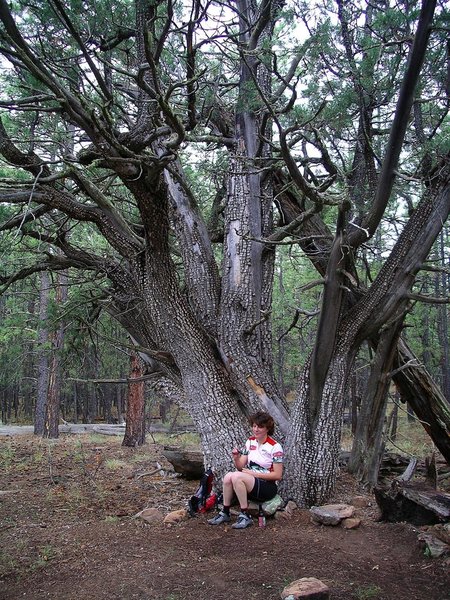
417,502
188,463
109,429
412,503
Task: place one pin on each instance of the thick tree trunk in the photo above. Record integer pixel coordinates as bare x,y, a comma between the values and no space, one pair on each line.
242,307
414,383
247,270
135,415
42,375
200,268
312,449
162,319
312,432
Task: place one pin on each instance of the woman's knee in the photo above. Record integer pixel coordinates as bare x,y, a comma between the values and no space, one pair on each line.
232,478
228,478
239,478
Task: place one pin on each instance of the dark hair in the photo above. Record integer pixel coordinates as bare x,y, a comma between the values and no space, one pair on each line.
263,419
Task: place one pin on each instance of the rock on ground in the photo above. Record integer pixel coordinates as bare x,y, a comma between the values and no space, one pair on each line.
307,587
332,514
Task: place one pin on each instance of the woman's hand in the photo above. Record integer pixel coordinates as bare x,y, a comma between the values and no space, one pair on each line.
240,460
249,471
274,475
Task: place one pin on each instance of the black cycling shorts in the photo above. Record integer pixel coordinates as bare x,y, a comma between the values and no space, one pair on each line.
263,490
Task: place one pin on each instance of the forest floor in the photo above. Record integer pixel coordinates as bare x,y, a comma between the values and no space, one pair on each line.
67,531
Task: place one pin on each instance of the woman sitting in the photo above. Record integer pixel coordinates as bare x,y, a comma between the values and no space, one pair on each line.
259,466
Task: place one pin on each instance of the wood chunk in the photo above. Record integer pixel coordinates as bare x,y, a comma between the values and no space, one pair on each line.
413,503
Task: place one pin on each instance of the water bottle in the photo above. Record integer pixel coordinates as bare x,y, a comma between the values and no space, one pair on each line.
261,517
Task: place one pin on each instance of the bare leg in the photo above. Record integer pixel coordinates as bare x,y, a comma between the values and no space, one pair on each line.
228,489
239,483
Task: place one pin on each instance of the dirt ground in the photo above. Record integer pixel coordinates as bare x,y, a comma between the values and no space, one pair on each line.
68,531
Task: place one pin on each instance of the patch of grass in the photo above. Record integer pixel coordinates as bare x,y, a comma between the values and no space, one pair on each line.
367,592
114,464
39,456
9,560
77,451
7,454
111,519
8,563
142,454
88,462
9,460
412,441
411,438
46,553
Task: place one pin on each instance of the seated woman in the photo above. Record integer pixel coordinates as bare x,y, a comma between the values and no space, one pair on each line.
259,466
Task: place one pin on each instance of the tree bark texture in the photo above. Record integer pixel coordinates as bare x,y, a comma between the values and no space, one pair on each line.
135,412
42,366
312,449
51,425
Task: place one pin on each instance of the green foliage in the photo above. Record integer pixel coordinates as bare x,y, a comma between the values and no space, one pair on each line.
295,311
330,86
368,592
84,326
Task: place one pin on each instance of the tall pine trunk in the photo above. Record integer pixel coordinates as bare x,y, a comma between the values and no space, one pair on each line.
42,363
135,412
51,424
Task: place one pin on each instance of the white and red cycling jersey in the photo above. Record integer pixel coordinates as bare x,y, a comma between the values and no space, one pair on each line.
260,457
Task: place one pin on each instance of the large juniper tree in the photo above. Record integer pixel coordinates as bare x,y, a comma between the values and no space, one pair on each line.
104,114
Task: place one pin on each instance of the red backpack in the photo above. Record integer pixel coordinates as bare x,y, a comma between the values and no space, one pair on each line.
203,499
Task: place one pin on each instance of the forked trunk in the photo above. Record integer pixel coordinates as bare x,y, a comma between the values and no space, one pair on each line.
312,448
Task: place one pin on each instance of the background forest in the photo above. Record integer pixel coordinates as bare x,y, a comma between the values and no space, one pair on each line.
251,197
94,352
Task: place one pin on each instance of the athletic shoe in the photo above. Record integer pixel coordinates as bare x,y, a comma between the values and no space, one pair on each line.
219,519
243,522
